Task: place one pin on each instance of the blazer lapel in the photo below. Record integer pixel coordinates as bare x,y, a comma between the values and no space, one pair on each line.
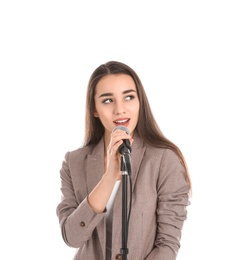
137,154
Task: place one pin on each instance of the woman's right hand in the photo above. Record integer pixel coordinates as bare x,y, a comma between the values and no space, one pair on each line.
113,160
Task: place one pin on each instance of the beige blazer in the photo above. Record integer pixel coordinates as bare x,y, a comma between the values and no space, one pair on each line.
159,200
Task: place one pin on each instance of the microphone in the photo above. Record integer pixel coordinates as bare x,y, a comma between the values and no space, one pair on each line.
125,147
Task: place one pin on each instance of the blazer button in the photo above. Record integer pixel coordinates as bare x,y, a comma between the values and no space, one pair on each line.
118,257
82,224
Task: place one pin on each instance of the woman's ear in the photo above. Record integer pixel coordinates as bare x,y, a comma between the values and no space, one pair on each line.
95,114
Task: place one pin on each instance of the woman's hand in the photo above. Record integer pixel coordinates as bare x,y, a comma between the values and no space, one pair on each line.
113,160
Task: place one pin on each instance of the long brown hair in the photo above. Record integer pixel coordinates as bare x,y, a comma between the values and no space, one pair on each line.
147,127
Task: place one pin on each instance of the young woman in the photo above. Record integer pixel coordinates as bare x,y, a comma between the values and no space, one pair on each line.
90,211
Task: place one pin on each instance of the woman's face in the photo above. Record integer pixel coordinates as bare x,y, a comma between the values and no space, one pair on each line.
116,102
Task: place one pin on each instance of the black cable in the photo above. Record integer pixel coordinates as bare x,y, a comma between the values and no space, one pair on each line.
130,197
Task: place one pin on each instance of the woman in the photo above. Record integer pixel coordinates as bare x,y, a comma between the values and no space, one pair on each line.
90,212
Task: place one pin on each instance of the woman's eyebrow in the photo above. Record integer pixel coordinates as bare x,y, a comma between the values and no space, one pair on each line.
111,94
129,90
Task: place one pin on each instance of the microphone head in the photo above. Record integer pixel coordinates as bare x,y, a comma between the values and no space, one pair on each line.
121,127
125,146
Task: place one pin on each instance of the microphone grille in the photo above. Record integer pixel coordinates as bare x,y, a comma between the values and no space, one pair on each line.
121,127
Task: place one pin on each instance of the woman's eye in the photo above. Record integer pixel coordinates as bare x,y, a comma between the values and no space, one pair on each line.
129,97
107,101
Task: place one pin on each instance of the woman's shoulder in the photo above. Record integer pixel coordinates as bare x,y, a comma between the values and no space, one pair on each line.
80,151
85,150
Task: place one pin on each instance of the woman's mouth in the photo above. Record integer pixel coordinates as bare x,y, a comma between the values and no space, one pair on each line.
123,122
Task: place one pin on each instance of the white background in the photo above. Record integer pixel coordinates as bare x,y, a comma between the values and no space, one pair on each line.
188,55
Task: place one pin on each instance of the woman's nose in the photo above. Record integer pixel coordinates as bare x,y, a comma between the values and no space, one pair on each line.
119,108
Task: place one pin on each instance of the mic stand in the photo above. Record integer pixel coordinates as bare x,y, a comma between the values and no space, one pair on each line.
124,171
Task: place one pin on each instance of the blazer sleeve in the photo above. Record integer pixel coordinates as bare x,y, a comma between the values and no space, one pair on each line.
77,220
173,198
